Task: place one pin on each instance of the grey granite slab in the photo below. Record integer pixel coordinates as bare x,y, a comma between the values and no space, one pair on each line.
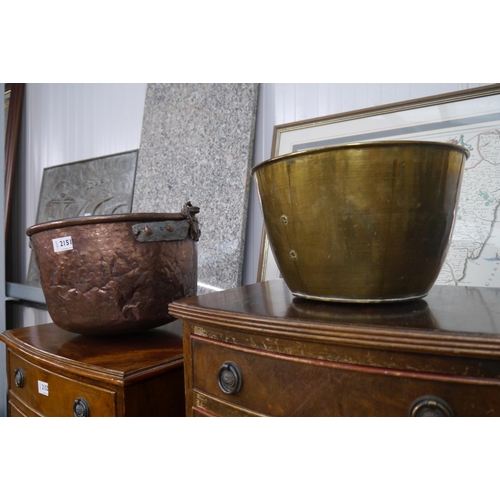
197,145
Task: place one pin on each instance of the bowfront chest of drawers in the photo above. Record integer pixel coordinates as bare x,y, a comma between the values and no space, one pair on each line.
258,351
52,372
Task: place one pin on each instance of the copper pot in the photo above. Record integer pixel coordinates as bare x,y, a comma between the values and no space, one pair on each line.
117,273
366,222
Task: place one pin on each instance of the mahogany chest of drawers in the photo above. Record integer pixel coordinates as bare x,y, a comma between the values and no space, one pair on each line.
52,372
258,351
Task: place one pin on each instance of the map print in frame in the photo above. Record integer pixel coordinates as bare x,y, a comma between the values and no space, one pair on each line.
470,118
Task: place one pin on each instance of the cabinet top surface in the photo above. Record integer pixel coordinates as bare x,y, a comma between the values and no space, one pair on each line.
463,311
122,354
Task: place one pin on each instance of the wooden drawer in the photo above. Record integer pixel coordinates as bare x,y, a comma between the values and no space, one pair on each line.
280,385
62,392
17,409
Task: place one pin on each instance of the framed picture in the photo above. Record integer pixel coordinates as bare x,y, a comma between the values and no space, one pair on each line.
13,100
470,118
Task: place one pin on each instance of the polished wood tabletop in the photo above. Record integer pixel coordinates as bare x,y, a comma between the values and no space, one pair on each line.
459,320
125,357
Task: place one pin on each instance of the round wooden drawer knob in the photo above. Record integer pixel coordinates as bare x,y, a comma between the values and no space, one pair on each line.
81,408
430,406
19,377
230,378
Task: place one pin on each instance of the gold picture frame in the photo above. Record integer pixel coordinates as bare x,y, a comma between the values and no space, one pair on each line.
417,118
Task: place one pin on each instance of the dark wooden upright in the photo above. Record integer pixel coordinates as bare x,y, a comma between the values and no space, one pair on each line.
257,350
52,372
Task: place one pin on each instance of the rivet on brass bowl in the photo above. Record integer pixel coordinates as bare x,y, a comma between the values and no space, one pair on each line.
113,274
366,222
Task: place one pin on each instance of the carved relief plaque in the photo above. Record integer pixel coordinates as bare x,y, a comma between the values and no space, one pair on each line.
99,186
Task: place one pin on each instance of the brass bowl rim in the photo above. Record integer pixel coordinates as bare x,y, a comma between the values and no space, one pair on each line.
363,145
104,219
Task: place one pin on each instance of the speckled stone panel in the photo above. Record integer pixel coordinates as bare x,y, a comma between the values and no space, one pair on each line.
197,145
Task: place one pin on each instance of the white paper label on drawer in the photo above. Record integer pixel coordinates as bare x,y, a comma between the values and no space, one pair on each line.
43,388
62,244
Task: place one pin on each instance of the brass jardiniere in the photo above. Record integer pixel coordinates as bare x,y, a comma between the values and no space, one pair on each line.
368,222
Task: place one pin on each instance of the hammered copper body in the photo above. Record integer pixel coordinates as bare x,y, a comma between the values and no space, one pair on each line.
110,282
367,222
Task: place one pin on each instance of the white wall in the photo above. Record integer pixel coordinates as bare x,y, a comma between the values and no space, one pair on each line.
63,123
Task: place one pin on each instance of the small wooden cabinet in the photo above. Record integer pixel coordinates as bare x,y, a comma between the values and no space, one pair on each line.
52,372
258,351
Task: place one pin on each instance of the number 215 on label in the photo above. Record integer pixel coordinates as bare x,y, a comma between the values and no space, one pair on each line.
62,244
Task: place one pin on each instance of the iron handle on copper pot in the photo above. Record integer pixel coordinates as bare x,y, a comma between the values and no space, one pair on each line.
430,406
81,408
19,377
170,230
230,378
